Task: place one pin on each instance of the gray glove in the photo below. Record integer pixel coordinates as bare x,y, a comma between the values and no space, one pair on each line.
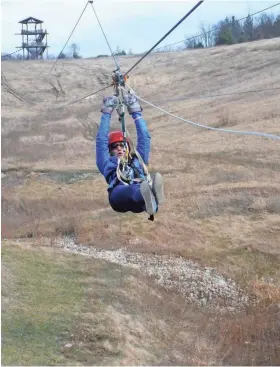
109,104
132,104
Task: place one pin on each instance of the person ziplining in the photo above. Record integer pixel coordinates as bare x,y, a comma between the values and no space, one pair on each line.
131,188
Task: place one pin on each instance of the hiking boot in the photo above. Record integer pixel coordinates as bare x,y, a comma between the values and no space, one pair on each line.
150,202
157,188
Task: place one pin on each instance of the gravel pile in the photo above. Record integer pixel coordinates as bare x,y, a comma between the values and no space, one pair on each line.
200,286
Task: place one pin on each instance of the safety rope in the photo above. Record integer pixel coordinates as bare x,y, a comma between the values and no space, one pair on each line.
68,38
255,133
121,168
115,60
124,164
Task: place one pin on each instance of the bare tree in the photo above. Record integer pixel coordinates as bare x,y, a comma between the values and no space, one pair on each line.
264,27
75,50
276,26
207,37
51,57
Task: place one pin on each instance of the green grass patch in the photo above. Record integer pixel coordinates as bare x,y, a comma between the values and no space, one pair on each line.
65,309
45,293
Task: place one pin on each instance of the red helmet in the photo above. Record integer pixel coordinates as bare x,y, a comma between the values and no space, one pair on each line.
115,136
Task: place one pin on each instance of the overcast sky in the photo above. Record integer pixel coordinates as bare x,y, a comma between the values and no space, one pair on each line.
130,24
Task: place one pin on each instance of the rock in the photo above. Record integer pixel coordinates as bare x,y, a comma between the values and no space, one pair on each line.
203,302
201,286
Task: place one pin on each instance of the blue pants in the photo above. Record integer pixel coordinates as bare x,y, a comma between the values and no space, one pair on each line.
127,199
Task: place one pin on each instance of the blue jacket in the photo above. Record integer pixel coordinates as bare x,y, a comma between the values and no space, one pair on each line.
107,164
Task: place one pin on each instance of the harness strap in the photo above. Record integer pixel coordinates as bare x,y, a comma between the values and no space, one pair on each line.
133,152
123,178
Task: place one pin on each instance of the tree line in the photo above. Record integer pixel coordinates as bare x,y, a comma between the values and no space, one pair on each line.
231,31
228,31
73,53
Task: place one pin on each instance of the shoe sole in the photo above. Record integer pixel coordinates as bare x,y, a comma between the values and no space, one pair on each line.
148,197
158,188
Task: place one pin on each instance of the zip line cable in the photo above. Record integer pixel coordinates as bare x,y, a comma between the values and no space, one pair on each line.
179,98
117,65
221,94
271,136
218,95
8,88
255,133
171,30
88,95
2,56
68,38
107,86
215,28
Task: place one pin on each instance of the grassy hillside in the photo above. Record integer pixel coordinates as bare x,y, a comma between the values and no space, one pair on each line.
223,192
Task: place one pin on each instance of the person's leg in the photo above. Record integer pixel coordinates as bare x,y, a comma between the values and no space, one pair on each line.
127,198
149,198
135,198
157,188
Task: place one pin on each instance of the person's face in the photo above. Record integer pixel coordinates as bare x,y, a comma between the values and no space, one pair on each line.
118,149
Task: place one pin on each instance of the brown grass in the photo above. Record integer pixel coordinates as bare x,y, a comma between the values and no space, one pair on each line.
251,339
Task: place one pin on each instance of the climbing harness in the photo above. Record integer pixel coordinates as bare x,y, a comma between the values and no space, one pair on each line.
124,172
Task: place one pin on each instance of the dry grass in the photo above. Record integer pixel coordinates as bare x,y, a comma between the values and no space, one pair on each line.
251,339
222,190
91,312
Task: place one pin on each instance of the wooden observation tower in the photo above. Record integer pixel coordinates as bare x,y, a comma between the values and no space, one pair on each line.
33,39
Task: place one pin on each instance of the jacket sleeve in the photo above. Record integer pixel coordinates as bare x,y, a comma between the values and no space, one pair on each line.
143,137
102,149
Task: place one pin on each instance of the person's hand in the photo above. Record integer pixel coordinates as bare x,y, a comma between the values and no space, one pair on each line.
109,104
132,104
